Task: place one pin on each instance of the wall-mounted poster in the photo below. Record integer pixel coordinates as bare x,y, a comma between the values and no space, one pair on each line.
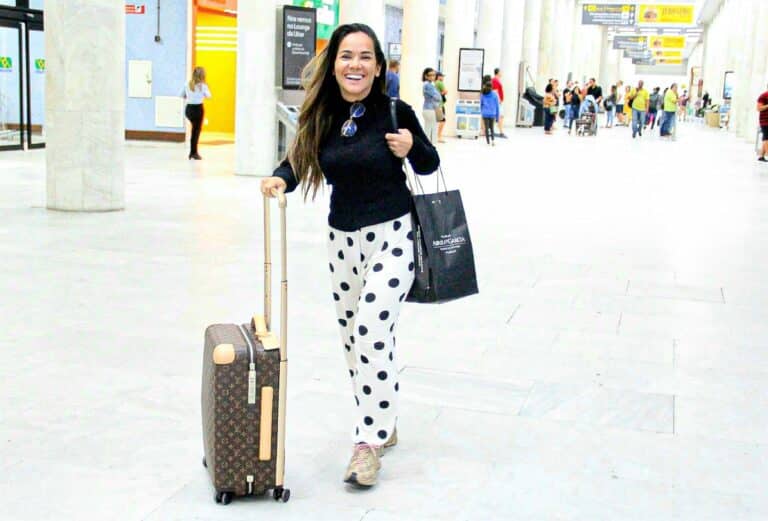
728,85
471,69
299,40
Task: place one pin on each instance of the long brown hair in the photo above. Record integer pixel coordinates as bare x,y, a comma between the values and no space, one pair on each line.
322,94
198,77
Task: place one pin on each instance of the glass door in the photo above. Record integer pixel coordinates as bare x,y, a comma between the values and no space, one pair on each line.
11,86
35,95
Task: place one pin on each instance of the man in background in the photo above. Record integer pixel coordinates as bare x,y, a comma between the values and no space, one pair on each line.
640,105
393,79
499,88
762,109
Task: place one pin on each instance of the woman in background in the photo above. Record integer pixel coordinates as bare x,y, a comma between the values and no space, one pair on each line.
432,101
195,92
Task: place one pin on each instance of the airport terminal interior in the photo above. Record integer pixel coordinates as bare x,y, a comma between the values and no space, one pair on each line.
612,365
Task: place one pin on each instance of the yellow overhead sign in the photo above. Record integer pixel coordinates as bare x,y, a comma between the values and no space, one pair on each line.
668,54
669,61
666,42
665,14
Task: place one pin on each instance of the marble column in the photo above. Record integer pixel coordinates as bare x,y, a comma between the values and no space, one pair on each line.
85,105
458,33
547,43
531,33
742,58
370,12
604,78
511,57
760,59
419,47
748,121
565,20
489,32
256,99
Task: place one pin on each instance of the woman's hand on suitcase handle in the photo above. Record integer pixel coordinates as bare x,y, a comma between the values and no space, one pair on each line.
272,185
400,144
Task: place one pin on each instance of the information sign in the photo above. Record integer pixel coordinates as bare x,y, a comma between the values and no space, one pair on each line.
299,40
665,14
471,69
608,14
667,42
630,42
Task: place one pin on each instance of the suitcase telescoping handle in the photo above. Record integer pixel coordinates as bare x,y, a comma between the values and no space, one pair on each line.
283,339
282,203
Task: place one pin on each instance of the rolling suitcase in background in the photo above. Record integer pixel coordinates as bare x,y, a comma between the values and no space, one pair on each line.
243,393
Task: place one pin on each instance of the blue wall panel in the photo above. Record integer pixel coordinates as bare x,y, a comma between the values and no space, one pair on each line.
169,58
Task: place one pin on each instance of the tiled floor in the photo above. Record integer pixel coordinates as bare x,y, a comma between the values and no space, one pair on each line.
614,365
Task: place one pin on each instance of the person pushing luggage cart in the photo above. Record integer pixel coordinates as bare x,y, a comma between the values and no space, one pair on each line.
345,139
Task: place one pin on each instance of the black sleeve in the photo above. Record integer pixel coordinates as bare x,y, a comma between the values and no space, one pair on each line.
423,155
285,172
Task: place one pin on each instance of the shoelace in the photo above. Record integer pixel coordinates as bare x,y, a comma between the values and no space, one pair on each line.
360,448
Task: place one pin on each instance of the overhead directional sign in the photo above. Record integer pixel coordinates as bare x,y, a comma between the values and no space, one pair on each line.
669,61
668,54
608,14
666,42
630,42
665,14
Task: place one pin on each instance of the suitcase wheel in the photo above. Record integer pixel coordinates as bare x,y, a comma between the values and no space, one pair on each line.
225,498
281,493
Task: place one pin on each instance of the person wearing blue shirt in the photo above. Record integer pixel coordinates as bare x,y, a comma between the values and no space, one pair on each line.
489,110
432,100
393,79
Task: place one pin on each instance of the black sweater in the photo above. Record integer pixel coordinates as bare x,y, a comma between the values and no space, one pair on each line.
368,181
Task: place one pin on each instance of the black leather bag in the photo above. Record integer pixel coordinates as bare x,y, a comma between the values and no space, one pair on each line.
443,256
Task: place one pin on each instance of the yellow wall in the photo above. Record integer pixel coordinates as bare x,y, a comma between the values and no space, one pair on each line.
216,50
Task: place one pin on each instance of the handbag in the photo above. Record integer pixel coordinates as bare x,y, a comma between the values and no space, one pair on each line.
444,261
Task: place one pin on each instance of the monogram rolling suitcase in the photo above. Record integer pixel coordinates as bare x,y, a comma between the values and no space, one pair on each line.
244,393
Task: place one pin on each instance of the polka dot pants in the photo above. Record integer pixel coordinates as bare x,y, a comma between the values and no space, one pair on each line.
372,271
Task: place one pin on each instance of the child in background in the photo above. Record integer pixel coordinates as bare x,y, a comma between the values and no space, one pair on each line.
489,109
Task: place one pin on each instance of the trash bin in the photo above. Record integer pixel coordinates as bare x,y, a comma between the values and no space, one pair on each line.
712,118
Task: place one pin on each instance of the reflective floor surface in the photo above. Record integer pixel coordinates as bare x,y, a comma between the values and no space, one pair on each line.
614,365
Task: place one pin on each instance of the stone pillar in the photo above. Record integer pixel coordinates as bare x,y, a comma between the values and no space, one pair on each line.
546,43
419,48
531,33
370,12
743,104
255,135
760,60
604,77
748,115
85,105
489,32
564,34
458,33
511,57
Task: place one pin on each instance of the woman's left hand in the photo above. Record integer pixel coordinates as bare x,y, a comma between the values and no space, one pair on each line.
400,144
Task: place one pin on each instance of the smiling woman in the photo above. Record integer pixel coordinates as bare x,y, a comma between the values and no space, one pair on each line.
345,137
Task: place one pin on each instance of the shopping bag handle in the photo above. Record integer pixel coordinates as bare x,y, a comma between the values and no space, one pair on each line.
417,181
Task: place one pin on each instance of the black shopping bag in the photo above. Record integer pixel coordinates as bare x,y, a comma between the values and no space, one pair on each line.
443,257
